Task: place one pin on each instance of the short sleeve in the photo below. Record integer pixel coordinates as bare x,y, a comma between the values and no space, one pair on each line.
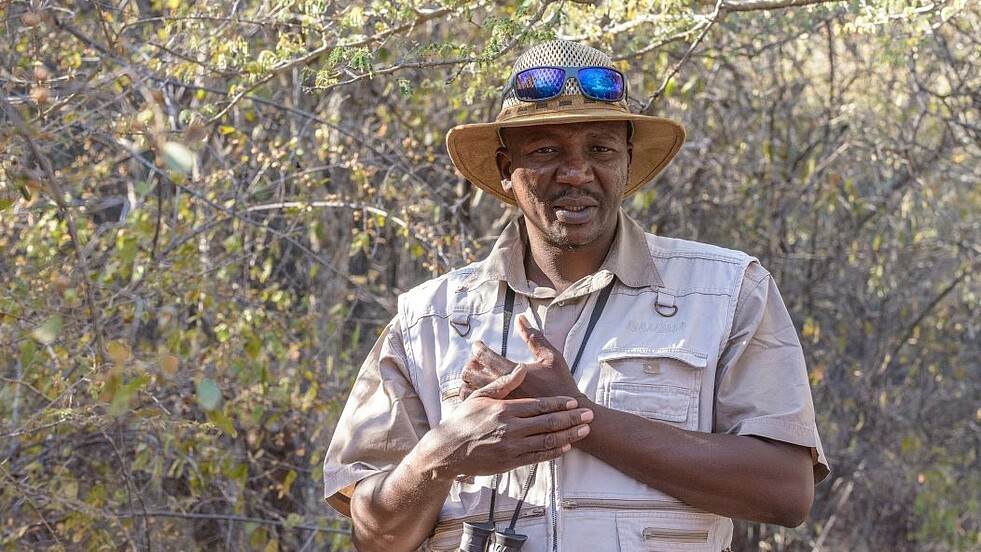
762,387
382,421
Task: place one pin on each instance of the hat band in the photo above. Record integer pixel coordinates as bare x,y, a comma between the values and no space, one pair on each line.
561,104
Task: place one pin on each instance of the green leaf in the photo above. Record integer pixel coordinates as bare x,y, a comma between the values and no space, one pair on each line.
361,242
28,350
209,396
178,157
122,399
47,332
222,421
294,519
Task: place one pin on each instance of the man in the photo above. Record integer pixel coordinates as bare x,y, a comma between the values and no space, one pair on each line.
587,385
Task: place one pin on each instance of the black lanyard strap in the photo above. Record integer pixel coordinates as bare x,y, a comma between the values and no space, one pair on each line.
593,319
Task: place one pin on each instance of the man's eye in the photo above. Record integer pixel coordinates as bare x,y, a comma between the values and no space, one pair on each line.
602,149
545,149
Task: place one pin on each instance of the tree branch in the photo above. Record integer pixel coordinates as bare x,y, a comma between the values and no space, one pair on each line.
230,517
761,5
56,194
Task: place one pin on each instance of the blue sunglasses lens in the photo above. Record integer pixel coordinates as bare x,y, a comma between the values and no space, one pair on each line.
540,83
544,83
600,83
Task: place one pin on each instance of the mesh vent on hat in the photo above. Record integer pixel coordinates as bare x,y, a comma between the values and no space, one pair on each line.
558,53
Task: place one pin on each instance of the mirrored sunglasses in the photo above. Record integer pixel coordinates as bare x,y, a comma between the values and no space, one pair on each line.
539,84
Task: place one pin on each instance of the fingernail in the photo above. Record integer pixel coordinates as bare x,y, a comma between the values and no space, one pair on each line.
571,404
583,431
587,416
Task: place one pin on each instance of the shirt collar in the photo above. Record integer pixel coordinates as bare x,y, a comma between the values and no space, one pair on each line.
629,258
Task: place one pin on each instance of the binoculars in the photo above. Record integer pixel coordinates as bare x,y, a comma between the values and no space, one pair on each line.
484,537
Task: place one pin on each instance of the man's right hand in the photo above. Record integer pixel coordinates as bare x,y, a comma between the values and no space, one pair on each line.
488,434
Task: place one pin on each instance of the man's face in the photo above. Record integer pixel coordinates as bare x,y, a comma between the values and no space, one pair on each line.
568,179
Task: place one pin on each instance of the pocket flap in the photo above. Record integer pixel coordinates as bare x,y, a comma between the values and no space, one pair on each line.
689,357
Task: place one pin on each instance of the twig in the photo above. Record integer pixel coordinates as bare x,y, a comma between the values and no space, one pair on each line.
55,191
230,517
761,5
716,16
887,360
347,204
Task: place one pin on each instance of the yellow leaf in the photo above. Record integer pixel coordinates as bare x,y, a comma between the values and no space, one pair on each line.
118,351
47,332
169,363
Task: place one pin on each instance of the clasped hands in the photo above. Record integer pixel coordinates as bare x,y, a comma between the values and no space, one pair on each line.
512,414
549,375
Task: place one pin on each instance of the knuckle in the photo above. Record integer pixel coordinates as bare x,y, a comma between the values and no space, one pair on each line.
542,406
550,441
552,424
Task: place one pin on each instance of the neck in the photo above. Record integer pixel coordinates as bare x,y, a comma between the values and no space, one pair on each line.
559,267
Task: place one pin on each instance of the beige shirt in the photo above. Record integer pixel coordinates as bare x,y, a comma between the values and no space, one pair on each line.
693,335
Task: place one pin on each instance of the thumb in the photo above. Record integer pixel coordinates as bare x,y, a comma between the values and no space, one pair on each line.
544,351
502,386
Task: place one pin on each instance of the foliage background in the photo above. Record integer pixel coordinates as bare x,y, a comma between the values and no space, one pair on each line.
207,209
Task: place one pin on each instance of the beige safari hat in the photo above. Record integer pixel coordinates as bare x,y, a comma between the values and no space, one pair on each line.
473,147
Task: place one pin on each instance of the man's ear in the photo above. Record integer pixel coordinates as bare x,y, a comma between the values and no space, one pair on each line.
503,159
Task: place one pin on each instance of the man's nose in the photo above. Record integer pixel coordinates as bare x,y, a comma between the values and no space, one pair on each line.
574,170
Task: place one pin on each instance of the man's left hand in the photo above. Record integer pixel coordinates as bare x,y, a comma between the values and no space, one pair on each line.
549,375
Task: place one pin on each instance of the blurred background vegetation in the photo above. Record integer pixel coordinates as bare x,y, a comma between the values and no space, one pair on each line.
208,208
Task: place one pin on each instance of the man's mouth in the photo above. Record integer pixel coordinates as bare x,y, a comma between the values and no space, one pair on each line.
574,213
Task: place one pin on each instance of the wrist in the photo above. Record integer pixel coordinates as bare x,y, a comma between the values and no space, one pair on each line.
427,463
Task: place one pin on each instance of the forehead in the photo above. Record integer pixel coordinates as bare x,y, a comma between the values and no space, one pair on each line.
596,129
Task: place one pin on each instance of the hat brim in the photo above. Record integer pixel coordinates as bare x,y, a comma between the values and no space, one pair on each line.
473,147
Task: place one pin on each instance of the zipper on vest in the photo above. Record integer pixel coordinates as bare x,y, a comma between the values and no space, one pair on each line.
688,536
626,504
555,510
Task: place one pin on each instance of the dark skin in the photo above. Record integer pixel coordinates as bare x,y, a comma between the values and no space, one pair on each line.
568,181
736,476
487,434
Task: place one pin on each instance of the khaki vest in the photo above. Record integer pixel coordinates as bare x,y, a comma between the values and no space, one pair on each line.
653,353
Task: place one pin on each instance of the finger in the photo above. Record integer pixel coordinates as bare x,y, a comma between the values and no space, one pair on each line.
554,422
529,408
465,391
544,352
536,457
499,388
552,445
490,360
474,375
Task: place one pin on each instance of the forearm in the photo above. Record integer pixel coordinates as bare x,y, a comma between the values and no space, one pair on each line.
397,510
731,475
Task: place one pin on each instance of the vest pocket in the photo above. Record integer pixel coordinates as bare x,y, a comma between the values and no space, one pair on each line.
658,384
666,533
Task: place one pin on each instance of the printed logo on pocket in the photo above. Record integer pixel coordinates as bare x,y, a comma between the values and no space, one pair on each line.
655,327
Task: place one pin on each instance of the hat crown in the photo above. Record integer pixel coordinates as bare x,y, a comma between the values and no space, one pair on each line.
557,53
